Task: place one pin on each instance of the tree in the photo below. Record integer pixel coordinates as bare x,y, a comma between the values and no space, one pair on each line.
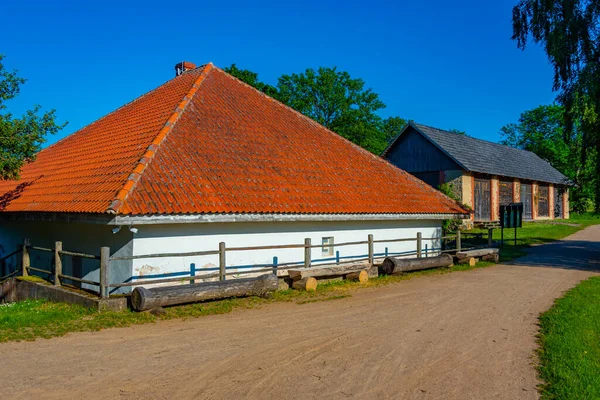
335,100
20,138
338,102
542,132
392,127
251,78
458,132
568,30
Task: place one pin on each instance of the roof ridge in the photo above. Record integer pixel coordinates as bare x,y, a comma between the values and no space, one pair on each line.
148,155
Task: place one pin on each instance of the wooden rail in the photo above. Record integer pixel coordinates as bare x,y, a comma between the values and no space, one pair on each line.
223,271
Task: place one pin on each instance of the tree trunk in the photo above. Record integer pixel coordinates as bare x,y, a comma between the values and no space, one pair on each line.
395,266
330,270
361,276
146,299
309,284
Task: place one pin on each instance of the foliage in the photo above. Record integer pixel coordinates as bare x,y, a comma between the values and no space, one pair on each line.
458,132
335,100
20,138
251,78
450,225
569,346
392,127
568,30
338,102
542,132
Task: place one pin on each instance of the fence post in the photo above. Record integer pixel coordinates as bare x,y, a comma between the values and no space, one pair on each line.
419,244
307,253
371,252
458,245
104,262
57,263
337,256
192,272
275,262
490,241
25,260
222,263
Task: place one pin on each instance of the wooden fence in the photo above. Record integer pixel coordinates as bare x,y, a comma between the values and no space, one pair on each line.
104,259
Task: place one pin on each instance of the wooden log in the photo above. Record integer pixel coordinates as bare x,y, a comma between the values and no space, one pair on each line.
475,253
309,284
495,257
394,266
329,270
361,276
146,299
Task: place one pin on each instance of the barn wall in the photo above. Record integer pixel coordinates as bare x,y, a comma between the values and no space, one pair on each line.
198,237
78,237
413,153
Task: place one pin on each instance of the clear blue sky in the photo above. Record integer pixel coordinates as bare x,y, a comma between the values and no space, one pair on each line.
446,64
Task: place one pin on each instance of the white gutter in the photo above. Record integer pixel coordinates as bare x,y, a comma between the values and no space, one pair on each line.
223,218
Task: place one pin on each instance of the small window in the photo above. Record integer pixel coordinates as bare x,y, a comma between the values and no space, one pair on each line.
327,246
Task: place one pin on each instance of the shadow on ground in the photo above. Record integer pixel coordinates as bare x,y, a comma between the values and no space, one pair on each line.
569,254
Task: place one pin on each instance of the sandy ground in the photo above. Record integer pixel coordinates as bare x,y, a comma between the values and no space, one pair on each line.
467,335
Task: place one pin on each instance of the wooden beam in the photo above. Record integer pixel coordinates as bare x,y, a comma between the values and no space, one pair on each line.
57,263
326,270
147,299
396,266
309,284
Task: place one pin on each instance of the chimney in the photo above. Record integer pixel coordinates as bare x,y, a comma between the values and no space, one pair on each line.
183,66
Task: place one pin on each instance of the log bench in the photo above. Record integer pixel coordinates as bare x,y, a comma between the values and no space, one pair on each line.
146,299
472,256
397,266
305,278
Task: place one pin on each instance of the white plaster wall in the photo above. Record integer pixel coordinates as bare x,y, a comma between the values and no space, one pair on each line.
77,237
170,238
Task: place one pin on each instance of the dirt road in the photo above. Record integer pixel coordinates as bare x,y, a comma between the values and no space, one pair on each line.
466,335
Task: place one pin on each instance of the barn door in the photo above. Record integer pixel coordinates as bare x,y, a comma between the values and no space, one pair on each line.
558,204
482,200
527,201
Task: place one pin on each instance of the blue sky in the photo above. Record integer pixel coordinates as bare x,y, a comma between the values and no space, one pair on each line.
446,64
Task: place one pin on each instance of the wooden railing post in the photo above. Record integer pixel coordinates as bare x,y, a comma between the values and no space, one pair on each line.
490,233
458,244
104,262
307,253
371,252
26,263
57,263
419,244
192,272
222,261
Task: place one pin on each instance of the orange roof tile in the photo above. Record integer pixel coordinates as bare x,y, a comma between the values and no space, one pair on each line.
204,142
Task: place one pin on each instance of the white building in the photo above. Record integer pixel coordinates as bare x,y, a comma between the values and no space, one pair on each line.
205,159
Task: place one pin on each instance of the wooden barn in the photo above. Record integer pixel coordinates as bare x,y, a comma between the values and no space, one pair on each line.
482,174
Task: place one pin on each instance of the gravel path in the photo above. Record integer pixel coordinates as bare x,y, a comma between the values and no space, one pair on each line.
466,335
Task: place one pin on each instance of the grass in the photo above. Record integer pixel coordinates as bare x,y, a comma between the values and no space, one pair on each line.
570,344
32,319
533,233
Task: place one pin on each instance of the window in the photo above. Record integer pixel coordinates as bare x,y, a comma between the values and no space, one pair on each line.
543,206
327,246
506,192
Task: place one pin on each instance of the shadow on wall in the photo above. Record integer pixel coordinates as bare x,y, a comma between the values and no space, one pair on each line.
568,254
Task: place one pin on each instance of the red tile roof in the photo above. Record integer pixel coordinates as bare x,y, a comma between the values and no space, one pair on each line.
205,142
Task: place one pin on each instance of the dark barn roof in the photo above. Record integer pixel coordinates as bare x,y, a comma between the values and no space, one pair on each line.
481,156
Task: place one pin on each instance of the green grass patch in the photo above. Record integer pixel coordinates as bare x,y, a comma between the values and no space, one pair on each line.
533,233
570,344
